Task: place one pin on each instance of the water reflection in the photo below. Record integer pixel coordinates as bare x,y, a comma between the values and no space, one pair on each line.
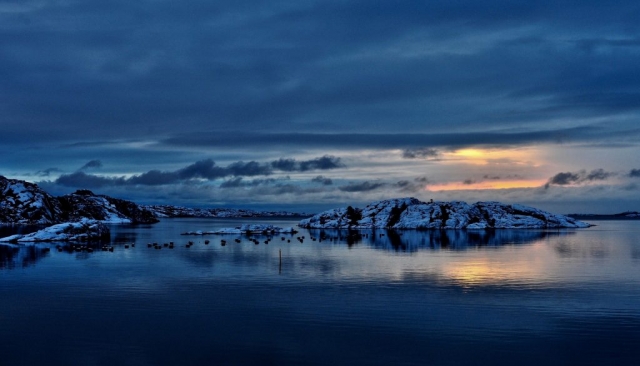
635,253
545,297
124,237
411,241
571,249
12,256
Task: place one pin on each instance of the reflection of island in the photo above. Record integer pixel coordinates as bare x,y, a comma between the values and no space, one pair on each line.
13,256
24,255
413,240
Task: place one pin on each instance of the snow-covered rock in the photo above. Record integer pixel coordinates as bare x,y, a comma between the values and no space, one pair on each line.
86,204
83,230
246,229
25,203
410,213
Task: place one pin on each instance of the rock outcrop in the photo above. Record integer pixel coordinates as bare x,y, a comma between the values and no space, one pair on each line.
85,204
411,213
25,203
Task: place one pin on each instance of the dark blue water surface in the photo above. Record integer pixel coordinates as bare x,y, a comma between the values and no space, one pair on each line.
507,297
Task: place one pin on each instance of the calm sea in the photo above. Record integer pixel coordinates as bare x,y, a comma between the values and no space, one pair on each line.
533,297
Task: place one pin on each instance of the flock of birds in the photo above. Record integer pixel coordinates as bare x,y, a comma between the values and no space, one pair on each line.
85,247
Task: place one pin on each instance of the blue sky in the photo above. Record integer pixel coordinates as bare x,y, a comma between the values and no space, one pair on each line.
314,104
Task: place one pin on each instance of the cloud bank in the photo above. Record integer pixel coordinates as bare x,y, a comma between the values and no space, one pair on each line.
203,169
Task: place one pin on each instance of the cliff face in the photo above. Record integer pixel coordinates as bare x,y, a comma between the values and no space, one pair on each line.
410,213
25,203
85,204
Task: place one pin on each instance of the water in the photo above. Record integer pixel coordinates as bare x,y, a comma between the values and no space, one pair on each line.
531,297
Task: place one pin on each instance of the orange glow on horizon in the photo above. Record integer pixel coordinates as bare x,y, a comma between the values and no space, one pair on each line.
505,184
491,156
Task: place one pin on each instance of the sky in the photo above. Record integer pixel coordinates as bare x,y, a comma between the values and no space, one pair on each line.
308,105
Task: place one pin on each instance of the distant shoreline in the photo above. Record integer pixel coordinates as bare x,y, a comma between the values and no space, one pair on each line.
614,217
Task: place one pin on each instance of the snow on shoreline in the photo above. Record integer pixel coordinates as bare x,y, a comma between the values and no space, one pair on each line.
83,230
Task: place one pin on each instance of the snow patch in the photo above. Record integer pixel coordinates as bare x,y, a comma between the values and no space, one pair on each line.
83,230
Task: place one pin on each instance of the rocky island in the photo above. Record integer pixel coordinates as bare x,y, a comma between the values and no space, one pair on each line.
24,203
411,213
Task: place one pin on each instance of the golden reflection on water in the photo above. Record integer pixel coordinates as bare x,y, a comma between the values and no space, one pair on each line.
508,265
476,273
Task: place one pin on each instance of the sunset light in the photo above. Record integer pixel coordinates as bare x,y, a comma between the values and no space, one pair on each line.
499,184
320,182
475,156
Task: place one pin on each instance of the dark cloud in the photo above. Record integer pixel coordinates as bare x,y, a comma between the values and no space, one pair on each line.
232,183
634,173
92,164
406,186
468,181
203,169
397,140
322,163
157,83
491,177
598,174
362,187
568,178
47,172
423,180
249,169
154,178
562,179
423,153
281,69
322,180
287,165
90,181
